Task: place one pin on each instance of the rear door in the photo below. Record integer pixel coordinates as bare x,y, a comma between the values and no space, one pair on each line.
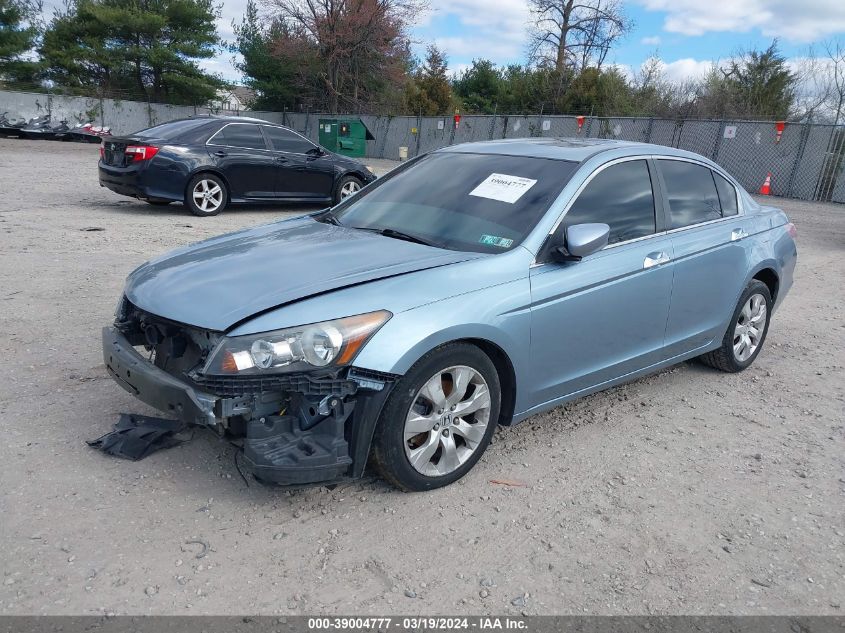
301,172
605,316
240,151
708,238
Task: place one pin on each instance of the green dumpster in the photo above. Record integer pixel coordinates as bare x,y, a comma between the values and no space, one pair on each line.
345,136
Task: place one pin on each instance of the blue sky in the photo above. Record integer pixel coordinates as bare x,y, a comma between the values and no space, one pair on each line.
688,35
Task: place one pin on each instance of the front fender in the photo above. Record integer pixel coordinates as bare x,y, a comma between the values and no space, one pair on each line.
499,315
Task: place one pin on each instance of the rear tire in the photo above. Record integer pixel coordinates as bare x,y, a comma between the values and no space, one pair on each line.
746,332
206,195
430,435
347,186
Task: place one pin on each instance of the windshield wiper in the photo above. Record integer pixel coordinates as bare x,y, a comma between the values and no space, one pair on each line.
327,217
398,235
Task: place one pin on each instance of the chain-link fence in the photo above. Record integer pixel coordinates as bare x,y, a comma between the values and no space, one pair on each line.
805,160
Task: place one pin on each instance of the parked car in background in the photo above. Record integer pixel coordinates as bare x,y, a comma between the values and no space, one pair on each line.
469,288
210,162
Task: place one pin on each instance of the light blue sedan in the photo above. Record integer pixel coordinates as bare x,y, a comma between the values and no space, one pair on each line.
471,287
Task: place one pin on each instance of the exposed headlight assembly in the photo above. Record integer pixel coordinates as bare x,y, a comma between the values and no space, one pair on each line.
330,343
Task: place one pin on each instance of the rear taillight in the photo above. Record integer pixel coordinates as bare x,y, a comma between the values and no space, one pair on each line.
793,232
102,151
141,152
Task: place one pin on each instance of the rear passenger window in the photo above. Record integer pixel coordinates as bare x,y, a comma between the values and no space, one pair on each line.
727,195
692,193
239,135
619,196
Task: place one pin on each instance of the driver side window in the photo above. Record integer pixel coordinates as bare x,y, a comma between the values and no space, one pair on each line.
620,196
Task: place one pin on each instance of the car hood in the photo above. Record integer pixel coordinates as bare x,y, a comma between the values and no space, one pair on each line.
218,283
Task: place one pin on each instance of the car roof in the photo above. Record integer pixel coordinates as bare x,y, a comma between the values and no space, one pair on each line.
226,118
571,149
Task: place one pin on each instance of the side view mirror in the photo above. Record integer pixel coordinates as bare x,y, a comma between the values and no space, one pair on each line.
582,240
315,152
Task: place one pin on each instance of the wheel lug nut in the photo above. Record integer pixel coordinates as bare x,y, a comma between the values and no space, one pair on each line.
445,432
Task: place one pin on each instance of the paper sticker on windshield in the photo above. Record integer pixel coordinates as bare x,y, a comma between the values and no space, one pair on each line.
503,187
495,240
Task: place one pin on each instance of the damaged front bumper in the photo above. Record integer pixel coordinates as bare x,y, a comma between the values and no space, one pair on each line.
295,429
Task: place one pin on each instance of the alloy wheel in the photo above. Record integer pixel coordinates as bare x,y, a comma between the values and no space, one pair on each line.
350,188
447,421
208,196
750,326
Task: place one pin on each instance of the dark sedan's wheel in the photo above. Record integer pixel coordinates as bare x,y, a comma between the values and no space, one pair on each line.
206,195
439,419
747,331
347,186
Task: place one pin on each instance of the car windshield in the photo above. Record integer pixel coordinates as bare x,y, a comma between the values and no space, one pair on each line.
471,202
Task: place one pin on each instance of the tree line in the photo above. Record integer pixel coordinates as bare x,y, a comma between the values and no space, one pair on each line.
356,56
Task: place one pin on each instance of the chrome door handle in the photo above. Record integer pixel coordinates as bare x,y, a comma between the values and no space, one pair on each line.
738,234
655,259
221,154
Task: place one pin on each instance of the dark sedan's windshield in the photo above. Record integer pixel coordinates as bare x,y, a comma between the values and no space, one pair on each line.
470,202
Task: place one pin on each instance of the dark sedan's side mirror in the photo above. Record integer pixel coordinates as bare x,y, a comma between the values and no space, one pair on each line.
582,240
315,152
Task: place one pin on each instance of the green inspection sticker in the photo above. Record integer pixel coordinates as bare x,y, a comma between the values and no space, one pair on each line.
495,240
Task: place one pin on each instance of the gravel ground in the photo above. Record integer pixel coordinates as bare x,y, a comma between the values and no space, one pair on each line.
688,492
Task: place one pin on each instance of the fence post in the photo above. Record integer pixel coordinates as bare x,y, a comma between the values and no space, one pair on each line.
679,126
419,132
718,144
648,130
384,138
805,132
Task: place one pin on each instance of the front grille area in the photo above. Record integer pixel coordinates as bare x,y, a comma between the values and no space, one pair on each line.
300,383
174,347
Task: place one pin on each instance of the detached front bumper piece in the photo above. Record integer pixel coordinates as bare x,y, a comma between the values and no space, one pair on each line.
295,429
152,385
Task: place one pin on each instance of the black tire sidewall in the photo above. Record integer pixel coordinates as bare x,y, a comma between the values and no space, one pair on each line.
189,199
389,440
345,179
755,287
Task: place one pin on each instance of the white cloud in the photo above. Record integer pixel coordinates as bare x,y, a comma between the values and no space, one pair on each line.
653,40
492,29
687,69
803,21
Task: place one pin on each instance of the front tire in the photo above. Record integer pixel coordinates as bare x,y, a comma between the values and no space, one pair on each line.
206,195
439,419
347,186
746,332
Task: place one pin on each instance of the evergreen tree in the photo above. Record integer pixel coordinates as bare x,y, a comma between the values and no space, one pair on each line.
479,87
270,76
18,34
430,91
142,49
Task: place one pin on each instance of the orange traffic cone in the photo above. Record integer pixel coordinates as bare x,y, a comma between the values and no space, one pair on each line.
766,189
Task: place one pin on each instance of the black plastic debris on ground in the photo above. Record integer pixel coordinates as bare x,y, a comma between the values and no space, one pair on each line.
136,436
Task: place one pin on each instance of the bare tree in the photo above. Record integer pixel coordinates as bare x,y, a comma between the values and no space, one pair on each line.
836,54
814,87
355,42
574,34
